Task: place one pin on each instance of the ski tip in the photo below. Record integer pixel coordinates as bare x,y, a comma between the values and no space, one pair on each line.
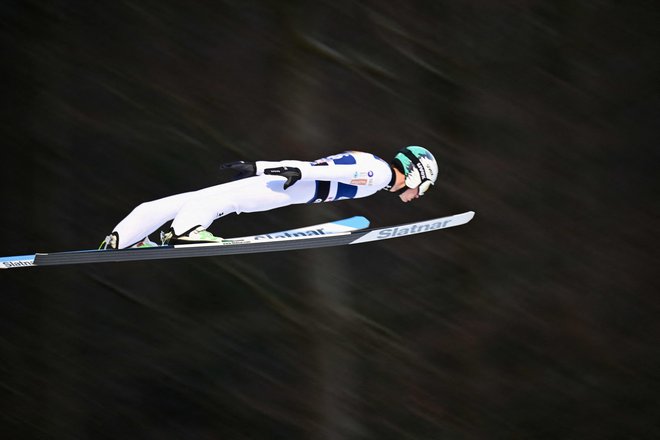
357,222
461,219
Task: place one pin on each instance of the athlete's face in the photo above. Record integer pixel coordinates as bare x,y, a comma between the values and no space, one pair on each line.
409,194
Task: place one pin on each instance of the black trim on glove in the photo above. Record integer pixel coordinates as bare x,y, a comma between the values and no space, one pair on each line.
292,174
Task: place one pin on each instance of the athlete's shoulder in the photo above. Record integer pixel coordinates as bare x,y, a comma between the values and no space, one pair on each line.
360,153
372,158
350,157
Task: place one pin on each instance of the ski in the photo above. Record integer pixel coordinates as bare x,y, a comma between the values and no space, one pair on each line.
333,227
303,238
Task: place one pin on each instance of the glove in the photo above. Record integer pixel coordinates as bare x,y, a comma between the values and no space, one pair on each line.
292,174
243,169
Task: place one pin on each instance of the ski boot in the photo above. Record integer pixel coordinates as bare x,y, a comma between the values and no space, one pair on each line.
195,235
144,243
110,242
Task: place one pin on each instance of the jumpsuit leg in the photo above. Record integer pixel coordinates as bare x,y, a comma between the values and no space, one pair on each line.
254,194
147,217
200,208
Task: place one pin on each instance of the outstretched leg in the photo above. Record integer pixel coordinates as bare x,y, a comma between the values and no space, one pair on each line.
254,194
202,207
147,217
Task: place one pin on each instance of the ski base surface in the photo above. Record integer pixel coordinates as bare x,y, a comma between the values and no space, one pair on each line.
343,232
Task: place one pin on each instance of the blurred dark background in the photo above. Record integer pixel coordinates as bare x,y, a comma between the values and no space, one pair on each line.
539,319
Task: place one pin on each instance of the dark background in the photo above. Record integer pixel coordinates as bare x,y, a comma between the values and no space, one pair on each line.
539,319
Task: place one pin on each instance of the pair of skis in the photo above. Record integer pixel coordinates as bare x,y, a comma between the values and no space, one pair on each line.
338,233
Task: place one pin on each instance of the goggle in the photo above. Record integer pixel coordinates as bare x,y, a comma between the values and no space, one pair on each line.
421,188
424,186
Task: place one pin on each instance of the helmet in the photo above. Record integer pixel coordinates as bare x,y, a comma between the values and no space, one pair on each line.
419,167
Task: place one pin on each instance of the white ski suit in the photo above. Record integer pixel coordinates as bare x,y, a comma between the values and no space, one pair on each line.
349,175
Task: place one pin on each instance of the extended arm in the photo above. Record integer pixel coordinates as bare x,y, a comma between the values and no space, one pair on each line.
248,169
310,171
294,170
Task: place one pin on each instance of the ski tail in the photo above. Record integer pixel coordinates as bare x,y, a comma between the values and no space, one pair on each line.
17,261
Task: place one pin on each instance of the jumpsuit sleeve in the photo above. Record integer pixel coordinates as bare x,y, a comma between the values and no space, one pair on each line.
311,171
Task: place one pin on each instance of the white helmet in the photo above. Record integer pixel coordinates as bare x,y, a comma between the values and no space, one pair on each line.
419,167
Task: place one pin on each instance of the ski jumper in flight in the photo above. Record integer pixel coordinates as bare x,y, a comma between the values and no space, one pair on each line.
265,185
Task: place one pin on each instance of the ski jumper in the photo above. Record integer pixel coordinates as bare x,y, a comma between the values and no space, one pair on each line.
349,175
